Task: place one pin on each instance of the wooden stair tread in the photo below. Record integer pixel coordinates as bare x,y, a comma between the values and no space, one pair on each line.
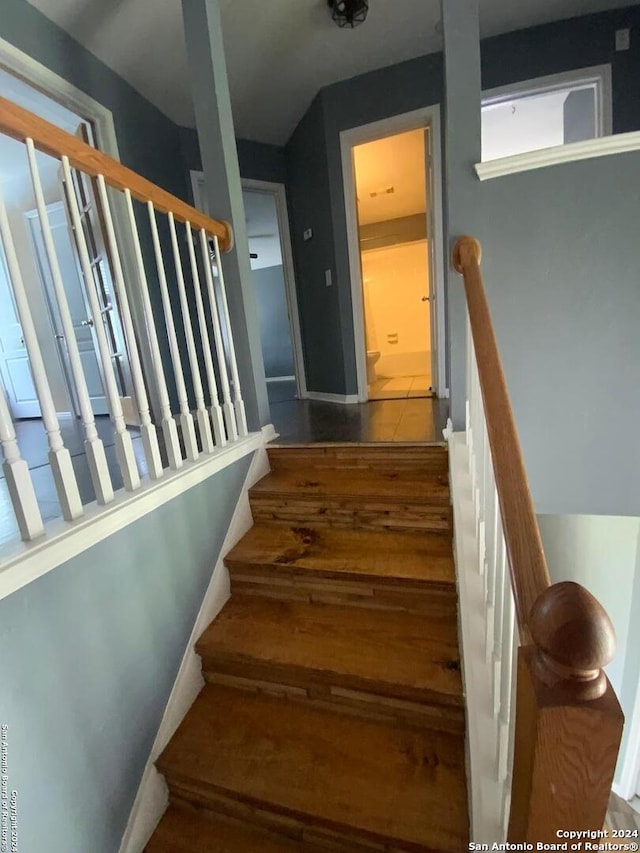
189,830
332,552
397,485
389,653
376,781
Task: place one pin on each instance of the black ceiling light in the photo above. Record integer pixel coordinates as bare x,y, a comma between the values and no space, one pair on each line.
349,13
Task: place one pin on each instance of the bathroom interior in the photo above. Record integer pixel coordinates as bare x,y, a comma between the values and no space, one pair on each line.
390,175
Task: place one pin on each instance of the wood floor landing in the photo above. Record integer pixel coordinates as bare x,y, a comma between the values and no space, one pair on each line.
333,716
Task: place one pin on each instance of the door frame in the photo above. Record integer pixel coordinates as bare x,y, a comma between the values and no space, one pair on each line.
41,78
427,118
279,193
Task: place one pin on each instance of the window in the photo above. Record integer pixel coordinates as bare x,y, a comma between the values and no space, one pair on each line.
546,112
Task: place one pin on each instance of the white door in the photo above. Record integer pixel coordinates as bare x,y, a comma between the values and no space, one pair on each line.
431,237
74,290
15,371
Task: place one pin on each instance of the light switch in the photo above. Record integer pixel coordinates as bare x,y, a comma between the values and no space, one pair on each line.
307,234
328,280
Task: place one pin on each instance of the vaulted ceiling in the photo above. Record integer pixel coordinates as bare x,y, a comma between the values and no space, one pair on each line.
279,52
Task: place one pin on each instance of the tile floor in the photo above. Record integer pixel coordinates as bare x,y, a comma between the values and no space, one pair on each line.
400,387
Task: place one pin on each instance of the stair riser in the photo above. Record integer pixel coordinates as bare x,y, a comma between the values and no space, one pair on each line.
429,603
429,458
346,699
300,828
354,513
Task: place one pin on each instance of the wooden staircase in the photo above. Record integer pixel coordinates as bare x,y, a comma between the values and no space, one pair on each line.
333,714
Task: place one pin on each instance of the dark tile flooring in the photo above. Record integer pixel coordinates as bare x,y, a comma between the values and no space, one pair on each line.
302,421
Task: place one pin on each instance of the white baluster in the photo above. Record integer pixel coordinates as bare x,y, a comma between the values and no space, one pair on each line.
169,427
227,405
241,416
59,457
492,513
185,418
147,427
19,483
501,580
216,411
124,446
202,416
94,448
506,681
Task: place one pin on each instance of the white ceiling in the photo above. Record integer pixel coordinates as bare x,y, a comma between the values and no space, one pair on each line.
396,162
279,52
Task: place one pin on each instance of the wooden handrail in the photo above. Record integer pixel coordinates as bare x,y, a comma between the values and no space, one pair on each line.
528,567
21,124
568,721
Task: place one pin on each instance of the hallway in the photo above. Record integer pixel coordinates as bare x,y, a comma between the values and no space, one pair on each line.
303,421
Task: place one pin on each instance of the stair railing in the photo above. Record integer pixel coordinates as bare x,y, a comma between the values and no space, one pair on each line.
157,295
554,734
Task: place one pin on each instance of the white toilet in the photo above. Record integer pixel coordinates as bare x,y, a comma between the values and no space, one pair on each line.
372,358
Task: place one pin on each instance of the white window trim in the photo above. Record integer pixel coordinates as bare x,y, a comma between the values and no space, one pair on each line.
602,145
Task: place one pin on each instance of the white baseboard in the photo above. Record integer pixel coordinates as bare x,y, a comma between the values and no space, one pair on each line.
270,379
347,399
152,798
269,433
484,795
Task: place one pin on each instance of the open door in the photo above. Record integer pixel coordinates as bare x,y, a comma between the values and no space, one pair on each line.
93,225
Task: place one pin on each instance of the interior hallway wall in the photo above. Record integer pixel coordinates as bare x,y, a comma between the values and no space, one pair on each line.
415,84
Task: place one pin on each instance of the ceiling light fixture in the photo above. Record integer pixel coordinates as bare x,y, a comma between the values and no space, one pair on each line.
349,13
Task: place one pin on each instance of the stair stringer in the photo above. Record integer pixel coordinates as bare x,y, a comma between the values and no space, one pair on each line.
152,798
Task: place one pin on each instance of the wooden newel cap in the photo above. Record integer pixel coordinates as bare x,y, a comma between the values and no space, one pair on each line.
466,250
574,640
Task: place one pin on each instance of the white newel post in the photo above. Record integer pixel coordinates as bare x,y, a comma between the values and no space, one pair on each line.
241,416
94,448
202,416
169,427
124,446
185,416
216,411
227,405
19,483
147,428
59,456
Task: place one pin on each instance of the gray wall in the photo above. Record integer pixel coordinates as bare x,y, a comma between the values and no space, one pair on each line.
561,274
273,318
534,52
91,651
310,207
259,161
579,116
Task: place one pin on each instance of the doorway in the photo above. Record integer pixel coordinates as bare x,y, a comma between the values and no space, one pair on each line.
271,256
391,172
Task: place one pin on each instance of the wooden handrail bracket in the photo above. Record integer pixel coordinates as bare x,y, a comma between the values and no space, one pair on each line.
21,124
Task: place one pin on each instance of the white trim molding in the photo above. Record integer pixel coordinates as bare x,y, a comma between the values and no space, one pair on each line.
597,77
23,562
428,119
621,143
344,399
152,798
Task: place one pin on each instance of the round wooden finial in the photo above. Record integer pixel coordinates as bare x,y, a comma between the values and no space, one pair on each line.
574,640
465,249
